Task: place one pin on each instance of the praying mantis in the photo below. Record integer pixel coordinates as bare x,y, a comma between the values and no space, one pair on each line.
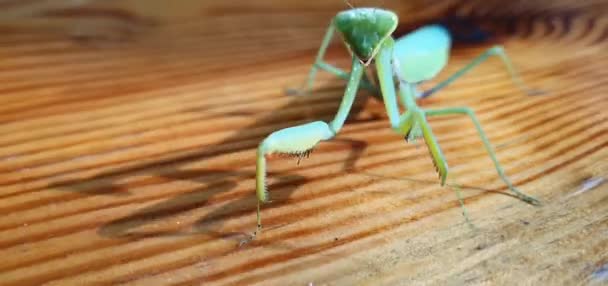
411,59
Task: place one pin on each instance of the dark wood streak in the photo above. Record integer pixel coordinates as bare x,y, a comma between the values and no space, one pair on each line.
7,4
88,13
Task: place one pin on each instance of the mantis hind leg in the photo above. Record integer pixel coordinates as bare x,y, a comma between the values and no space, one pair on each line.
417,118
494,51
486,142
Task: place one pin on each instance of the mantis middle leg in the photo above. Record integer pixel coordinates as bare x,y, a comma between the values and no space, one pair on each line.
486,142
494,51
321,64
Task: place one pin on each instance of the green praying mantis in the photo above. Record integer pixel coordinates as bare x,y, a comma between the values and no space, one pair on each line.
411,59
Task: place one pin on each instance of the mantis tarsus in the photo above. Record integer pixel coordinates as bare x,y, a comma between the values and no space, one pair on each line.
412,59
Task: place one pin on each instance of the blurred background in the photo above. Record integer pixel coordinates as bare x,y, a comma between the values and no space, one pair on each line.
129,131
119,20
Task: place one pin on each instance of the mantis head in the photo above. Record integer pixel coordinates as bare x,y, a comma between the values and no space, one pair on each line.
365,29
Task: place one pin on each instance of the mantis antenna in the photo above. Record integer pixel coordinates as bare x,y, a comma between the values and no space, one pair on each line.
353,6
349,5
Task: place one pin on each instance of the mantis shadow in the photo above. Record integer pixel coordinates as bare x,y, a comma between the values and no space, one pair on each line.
219,182
215,182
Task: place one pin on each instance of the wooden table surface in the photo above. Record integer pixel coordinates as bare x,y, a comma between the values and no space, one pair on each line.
129,131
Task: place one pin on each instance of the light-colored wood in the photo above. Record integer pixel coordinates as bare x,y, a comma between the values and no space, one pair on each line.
129,131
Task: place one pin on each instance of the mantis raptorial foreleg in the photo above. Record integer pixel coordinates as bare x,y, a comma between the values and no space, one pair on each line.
494,51
300,139
486,142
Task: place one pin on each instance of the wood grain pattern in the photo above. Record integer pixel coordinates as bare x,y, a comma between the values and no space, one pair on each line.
130,127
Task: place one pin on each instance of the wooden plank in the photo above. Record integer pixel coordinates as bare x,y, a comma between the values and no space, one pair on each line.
130,130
